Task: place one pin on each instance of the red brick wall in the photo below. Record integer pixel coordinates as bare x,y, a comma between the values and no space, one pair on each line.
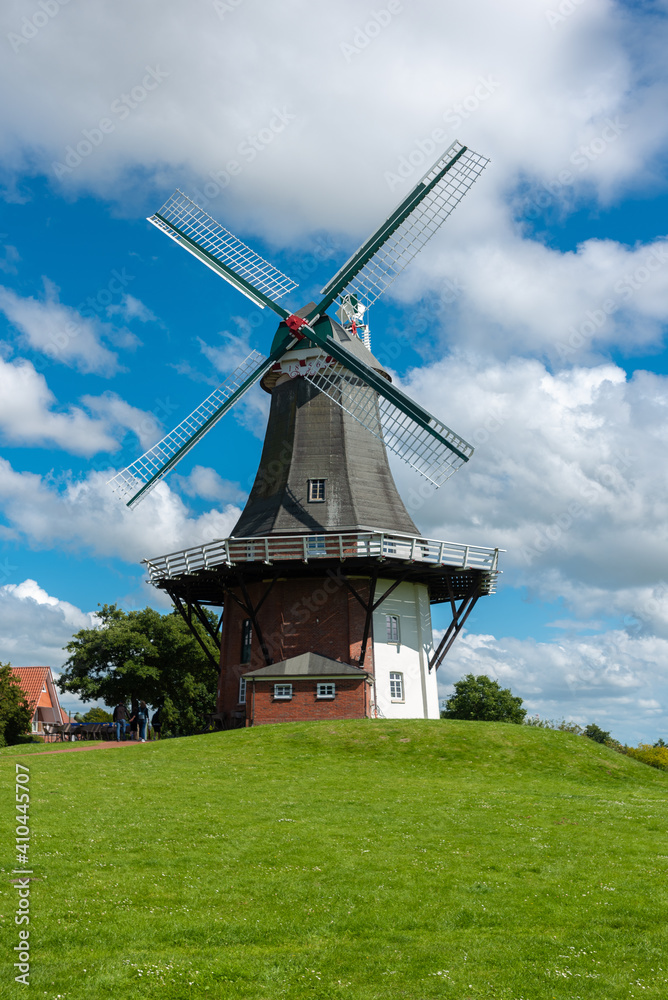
348,703
316,615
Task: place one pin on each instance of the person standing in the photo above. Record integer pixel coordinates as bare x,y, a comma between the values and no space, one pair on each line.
141,716
157,724
133,721
120,717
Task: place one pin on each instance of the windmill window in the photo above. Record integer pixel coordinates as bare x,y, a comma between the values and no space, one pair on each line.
316,545
326,690
316,490
392,627
396,686
246,640
242,690
282,692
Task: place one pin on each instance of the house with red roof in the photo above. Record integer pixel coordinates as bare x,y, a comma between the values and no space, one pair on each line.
40,690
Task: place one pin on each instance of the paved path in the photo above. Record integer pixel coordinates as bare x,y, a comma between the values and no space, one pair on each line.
90,745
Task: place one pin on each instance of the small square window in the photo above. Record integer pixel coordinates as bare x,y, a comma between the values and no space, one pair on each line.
396,686
316,545
282,692
326,690
242,690
316,490
392,627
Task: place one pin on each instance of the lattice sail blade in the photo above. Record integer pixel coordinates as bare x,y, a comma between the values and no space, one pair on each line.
138,479
196,231
386,253
434,450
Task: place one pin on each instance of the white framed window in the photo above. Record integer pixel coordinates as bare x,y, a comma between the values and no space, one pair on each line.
316,545
242,690
282,692
327,690
396,686
392,628
316,490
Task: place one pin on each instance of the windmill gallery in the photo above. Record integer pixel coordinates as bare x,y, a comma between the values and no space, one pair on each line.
325,580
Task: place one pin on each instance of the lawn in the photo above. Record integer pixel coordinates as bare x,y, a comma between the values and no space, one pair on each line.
362,859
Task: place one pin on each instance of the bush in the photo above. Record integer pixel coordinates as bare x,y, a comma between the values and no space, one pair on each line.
560,724
655,756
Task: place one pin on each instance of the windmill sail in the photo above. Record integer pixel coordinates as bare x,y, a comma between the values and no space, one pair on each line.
379,260
408,430
138,479
428,446
193,229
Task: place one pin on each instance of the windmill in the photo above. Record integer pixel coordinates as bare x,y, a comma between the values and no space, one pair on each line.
311,515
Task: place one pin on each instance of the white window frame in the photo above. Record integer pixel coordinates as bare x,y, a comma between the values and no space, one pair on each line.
316,545
315,488
282,692
390,622
242,690
397,694
326,690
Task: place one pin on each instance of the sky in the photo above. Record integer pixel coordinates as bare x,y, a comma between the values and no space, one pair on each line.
533,323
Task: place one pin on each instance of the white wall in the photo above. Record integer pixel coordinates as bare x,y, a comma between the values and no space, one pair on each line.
410,657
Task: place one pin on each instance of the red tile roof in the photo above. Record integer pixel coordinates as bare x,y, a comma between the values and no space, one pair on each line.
33,680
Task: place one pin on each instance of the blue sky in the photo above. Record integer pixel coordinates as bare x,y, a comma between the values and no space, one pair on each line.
533,323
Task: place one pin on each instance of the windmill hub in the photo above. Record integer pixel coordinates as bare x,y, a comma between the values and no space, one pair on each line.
325,582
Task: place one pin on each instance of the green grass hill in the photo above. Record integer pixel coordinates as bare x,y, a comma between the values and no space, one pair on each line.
369,860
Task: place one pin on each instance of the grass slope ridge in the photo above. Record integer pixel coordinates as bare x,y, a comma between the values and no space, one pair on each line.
359,859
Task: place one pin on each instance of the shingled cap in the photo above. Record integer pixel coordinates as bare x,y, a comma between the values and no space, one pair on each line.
308,665
310,438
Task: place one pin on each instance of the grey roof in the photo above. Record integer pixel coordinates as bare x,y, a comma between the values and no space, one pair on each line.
308,665
310,437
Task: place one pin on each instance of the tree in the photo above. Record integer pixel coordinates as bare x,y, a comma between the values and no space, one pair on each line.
145,656
593,732
15,714
482,699
97,715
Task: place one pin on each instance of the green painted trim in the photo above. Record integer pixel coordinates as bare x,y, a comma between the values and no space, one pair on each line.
177,456
226,272
380,384
375,241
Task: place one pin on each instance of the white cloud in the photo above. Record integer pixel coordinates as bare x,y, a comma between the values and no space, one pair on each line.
130,308
120,414
59,331
569,472
549,90
508,295
206,483
29,415
85,516
35,626
617,680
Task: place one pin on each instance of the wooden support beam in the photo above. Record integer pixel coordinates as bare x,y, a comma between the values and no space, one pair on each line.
186,610
459,616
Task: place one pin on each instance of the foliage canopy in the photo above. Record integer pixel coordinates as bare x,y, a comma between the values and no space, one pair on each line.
15,715
143,655
483,700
